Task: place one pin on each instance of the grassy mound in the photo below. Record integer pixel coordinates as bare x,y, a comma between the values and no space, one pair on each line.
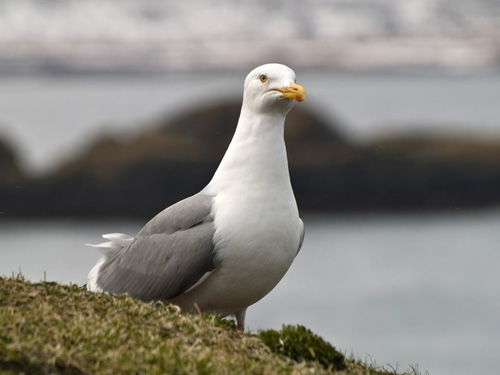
48,328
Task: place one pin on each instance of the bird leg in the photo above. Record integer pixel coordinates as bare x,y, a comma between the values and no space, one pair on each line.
240,319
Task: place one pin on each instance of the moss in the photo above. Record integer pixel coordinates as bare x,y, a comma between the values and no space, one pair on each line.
300,344
48,328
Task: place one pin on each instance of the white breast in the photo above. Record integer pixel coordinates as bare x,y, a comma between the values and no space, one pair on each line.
256,242
258,232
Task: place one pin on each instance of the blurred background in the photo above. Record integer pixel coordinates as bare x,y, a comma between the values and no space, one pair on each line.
110,111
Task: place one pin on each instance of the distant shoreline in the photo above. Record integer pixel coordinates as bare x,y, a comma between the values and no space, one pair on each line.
138,175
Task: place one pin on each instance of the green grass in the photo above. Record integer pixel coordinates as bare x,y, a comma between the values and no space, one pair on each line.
48,328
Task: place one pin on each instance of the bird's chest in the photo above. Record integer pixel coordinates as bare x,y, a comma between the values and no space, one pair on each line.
257,232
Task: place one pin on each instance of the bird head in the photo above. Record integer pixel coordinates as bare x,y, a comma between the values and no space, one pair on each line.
271,88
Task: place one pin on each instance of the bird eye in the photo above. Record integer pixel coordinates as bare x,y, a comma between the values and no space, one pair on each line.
263,78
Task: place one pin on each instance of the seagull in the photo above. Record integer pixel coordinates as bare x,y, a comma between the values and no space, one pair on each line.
226,247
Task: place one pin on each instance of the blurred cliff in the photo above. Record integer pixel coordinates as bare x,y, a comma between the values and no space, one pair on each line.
138,176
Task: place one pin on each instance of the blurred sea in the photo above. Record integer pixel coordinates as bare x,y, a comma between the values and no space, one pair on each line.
400,290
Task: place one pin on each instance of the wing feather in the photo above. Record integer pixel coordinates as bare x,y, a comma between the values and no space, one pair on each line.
170,254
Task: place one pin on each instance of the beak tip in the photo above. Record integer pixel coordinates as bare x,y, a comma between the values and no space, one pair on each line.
293,91
300,92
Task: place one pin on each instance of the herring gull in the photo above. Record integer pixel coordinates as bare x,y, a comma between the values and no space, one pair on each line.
226,247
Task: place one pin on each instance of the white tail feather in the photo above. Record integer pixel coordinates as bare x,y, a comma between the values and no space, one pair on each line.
117,241
119,238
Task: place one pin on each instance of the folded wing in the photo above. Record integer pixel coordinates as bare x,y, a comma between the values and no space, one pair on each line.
169,255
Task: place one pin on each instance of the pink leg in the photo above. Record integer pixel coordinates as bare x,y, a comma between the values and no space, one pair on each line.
240,319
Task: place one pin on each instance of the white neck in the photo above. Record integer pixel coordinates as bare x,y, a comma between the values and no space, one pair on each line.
256,157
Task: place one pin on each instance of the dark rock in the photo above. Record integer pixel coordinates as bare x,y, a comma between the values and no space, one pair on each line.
10,173
12,181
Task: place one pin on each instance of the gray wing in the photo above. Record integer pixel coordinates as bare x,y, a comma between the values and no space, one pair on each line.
170,254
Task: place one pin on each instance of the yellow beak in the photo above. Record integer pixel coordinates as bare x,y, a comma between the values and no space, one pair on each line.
294,91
